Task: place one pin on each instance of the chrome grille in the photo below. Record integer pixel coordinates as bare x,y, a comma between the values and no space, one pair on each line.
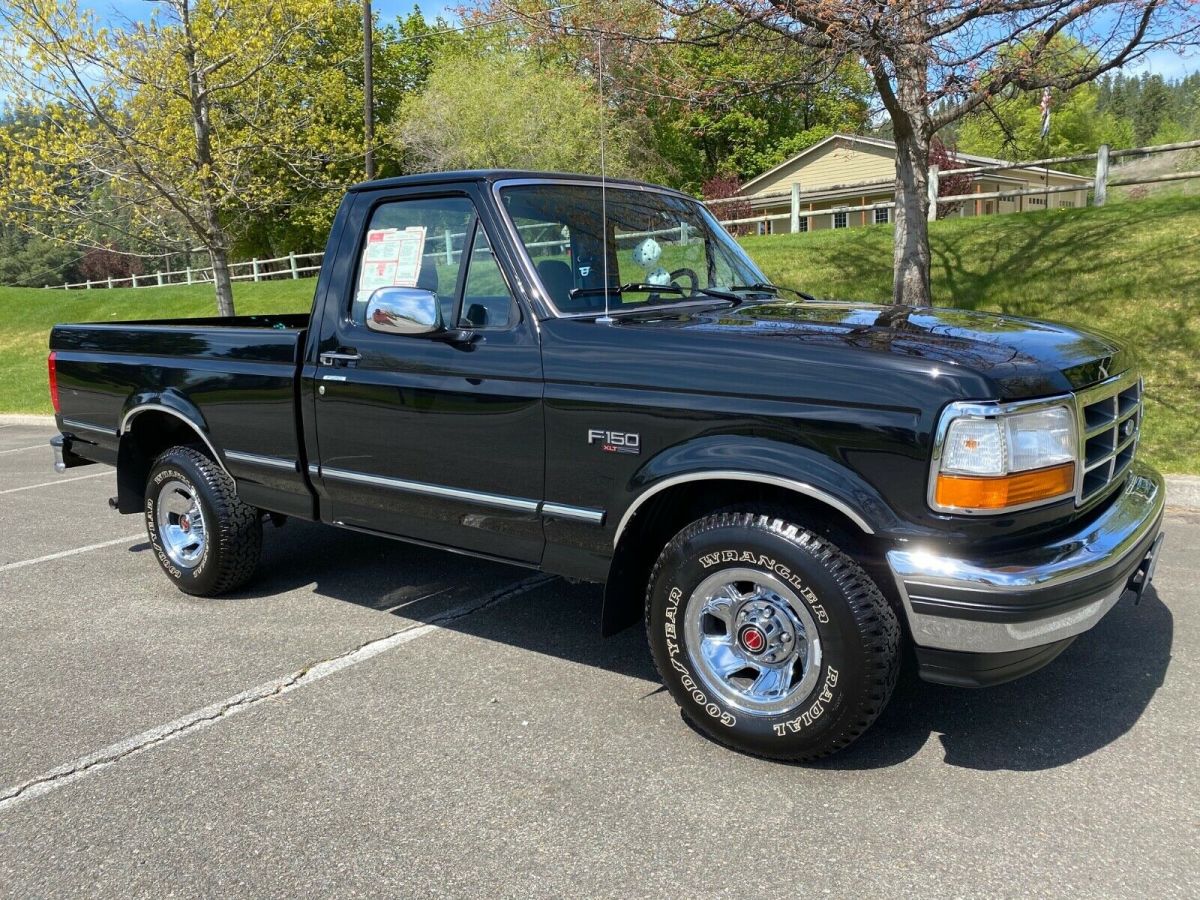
1110,423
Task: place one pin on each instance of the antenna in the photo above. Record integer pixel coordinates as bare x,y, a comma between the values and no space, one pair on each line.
606,318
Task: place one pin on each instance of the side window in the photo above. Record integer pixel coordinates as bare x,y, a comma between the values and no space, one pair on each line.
415,243
487,302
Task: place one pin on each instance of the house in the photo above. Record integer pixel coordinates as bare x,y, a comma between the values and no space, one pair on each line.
831,175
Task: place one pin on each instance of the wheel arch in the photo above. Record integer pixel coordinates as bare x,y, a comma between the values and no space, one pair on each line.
149,425
661,509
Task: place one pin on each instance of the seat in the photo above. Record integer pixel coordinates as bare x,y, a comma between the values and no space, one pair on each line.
427,280
477,315
557,278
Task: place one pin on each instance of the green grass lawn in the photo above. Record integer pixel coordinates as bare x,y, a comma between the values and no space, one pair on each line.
1129,269
26,315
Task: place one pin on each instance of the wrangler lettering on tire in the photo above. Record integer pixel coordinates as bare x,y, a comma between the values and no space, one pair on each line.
771,639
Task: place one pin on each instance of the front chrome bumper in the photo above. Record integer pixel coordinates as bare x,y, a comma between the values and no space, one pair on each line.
1013,602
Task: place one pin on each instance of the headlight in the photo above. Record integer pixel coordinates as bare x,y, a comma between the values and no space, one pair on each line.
988,459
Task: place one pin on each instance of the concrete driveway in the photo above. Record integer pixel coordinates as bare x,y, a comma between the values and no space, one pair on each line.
375,719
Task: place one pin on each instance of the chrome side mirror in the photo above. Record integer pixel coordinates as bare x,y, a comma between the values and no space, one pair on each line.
401,310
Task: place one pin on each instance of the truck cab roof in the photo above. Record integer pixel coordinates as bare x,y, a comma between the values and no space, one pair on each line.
492,175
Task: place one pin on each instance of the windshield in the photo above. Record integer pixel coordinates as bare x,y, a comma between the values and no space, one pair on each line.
661,248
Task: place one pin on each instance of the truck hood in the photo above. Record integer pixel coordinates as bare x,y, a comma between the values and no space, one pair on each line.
1024,357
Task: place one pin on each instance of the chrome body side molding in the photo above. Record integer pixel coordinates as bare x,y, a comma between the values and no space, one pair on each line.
790,484
501,501
575,513
256,459
88,426
158,407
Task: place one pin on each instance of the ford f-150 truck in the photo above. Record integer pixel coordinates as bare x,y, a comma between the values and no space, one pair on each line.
592,378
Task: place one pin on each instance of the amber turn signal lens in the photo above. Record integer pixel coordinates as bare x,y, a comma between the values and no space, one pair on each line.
998,492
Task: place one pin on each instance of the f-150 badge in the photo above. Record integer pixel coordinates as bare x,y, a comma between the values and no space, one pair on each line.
615,441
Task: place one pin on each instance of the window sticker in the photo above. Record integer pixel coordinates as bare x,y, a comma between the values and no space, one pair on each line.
391,258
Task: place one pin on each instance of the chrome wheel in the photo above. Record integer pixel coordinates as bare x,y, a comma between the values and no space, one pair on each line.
752,641
180,523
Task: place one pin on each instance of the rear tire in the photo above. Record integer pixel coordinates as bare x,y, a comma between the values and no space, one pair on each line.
206,539
770,638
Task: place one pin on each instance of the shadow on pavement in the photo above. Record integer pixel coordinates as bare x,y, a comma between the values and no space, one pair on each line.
1087,698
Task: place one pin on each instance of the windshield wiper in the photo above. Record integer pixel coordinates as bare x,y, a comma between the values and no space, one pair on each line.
764,286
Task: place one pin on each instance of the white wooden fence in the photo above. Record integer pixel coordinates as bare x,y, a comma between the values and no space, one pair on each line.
1101,181
294,265
298,265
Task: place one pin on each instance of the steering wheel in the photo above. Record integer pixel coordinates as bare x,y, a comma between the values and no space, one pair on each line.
689,273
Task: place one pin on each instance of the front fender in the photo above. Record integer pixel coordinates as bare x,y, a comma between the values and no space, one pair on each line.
742,458
801,470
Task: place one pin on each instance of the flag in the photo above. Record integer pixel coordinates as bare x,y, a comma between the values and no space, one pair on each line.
1045,113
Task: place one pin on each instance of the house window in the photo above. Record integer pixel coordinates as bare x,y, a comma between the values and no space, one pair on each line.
803,223
840,220
881,215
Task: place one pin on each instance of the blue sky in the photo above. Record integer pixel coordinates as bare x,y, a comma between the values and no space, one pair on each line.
1167,64
1162,62
137,9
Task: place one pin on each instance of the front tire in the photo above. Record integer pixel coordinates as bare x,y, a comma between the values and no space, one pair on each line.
206,539
770,638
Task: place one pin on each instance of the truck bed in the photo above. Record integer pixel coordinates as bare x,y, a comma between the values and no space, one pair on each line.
233,379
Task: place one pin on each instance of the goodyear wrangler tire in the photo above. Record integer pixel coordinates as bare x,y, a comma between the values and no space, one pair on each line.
205,538
771,639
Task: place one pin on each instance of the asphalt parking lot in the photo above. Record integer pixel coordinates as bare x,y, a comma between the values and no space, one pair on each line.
375,719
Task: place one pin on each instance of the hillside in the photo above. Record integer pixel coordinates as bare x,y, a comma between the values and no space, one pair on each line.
1129,269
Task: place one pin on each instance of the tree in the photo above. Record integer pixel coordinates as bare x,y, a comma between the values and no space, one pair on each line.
728,187
933,62
503,111
1010,126
176,119
949,184
31,261
716,99
1152,110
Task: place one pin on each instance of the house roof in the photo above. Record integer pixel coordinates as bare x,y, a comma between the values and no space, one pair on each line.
889,146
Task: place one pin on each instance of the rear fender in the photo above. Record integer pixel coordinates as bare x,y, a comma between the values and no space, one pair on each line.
174,419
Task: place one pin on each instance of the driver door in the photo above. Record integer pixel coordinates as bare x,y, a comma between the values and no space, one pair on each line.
424,437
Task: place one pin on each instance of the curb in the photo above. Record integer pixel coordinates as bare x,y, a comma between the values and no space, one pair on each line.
1183,491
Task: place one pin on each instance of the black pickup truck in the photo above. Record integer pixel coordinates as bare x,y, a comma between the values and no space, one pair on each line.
594,379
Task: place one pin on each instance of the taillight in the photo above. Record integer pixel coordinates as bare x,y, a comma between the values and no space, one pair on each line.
52,368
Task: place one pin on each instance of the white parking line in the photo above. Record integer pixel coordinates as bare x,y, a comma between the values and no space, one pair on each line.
30,487
7,567
23,449
207,716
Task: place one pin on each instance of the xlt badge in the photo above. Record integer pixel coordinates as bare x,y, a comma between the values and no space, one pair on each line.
615,441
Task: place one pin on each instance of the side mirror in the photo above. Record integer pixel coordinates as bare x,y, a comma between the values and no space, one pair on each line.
401,310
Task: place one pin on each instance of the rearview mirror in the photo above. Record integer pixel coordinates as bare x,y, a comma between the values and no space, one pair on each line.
401,310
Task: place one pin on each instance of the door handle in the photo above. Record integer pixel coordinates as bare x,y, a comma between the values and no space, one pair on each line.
339,358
